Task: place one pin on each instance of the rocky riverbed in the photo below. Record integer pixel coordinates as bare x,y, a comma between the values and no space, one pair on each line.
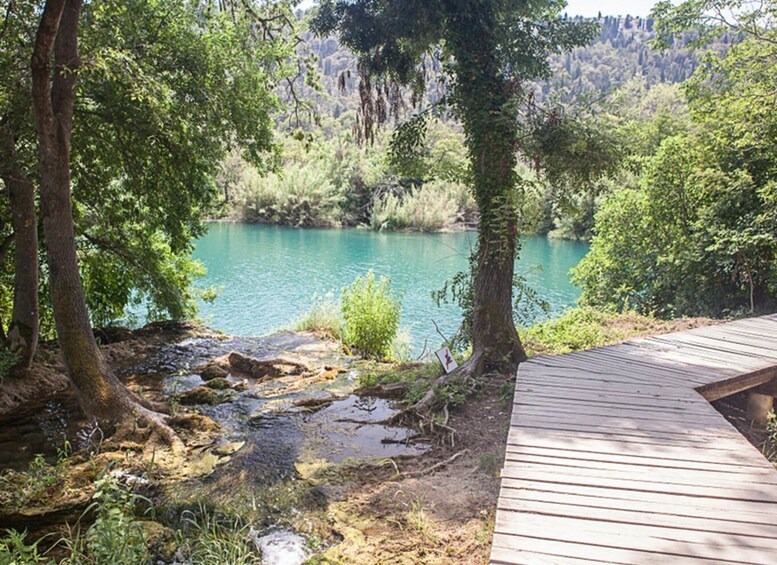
273,426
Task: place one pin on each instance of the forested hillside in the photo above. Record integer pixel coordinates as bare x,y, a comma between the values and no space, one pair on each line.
621,51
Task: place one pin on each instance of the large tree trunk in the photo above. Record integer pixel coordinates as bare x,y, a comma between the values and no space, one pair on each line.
483,101
23,331
100,393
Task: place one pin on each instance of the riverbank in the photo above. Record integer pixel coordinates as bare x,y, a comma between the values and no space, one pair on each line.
300,464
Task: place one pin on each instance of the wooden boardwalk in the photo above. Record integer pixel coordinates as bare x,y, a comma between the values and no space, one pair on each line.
615,455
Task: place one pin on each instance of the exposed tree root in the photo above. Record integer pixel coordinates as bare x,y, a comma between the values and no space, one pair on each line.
464,375
151,429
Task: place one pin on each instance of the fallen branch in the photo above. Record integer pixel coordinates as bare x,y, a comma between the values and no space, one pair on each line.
434,467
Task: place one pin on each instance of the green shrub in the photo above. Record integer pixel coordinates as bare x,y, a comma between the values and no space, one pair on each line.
430,207
586,327
322,317
371,313
116,536
302,195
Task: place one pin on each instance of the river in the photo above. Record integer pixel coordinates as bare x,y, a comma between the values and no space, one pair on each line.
266,276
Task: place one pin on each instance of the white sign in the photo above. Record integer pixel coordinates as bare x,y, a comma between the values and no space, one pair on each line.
446,359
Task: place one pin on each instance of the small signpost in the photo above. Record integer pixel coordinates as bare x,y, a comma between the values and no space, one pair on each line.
446,359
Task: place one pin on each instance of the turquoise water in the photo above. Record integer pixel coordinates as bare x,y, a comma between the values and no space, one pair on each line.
267,276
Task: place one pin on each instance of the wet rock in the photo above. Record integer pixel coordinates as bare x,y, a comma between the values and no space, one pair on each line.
228,448
267,369
316,402
200,395
240,386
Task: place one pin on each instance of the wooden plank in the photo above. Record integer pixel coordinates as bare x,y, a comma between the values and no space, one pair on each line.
566,403
726,346
644,443
759,512
640,371
640,516
723,388
731,519
642,535
578,378
647,473
513,476
575,380
622,450
685,368
687,349
614,422
644,538
728,335
509,549
617,360
614,455
644,475
680,460
656,433
502,556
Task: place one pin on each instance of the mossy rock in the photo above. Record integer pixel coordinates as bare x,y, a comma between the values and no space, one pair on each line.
159,539
218,383
200,395
213,371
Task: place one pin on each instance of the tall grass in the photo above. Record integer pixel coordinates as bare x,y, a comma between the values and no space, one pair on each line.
323,317
430,207
302,195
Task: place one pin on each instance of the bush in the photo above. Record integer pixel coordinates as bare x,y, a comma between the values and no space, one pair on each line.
371,313
585,328
302,196
116,536
430,207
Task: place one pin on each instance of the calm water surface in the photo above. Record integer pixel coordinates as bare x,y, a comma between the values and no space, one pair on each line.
267,276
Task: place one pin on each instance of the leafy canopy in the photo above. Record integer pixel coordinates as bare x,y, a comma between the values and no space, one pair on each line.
166,90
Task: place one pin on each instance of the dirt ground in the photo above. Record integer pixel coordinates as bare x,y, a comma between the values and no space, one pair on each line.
424,510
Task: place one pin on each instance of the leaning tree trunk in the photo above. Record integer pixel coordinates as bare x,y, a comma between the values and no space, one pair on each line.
100,393
23,332
483,100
